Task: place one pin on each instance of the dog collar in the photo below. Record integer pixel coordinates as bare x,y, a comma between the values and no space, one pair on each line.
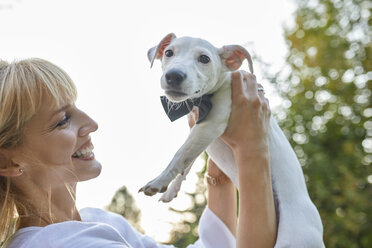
177,110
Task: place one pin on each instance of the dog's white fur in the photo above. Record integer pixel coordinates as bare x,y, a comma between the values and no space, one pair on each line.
299,223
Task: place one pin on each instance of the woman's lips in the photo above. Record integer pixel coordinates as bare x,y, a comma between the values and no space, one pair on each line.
85,151
90,156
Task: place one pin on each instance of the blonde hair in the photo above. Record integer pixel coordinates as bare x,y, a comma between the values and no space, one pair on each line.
22,86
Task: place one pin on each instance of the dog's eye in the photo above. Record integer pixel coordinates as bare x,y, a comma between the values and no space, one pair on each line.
204,59
169,53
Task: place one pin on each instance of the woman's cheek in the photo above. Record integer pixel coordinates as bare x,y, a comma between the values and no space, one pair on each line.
64,145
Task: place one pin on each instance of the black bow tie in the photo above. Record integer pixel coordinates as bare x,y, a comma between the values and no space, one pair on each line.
177,110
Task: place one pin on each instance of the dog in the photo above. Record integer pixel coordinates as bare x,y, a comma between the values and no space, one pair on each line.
195,73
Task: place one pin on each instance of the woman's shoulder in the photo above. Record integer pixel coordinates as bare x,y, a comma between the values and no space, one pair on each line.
97,215
21,237
98,228
100,215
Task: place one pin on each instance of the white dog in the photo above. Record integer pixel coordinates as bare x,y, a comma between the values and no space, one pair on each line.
197,73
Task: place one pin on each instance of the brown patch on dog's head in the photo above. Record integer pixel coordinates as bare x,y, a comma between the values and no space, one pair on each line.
157,52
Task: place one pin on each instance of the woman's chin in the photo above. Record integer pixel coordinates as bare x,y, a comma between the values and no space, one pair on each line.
87,169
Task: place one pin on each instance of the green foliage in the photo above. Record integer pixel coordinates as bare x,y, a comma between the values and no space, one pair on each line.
124,204
327,113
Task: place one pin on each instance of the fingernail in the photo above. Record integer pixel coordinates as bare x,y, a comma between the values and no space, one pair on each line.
244,86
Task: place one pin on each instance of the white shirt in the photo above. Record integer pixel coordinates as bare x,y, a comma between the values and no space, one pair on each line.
102,229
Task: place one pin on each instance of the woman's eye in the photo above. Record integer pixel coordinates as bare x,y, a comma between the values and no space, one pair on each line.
169,53
64,121
204,59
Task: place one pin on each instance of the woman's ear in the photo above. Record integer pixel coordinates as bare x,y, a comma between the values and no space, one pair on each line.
7,167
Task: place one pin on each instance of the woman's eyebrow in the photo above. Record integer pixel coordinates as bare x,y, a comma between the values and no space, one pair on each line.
61,109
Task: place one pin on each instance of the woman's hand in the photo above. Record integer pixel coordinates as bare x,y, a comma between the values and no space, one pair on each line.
248,136
248,126
193,116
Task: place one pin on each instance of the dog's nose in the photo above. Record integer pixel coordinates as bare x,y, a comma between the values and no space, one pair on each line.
175,77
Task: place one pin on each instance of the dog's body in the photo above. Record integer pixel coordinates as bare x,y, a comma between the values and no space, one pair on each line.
189,74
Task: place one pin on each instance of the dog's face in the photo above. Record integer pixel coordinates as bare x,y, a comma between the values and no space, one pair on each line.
192,66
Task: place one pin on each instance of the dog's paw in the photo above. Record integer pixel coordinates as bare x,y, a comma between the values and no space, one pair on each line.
153,187
173,189
168,196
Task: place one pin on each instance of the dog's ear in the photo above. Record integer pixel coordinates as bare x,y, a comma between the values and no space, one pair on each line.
156,52
233,56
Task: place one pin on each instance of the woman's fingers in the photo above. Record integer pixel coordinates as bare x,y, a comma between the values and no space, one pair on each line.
255,90
250,110
264,100
260,89
250,80
193,116
244,85
237,85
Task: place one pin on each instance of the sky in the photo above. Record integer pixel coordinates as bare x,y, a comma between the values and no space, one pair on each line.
102,45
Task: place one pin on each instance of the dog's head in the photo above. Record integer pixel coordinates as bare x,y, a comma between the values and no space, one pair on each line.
193,67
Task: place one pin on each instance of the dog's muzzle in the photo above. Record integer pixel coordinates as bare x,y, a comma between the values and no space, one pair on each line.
175,77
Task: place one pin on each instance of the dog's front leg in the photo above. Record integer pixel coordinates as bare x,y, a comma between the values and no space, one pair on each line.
175,186
200,137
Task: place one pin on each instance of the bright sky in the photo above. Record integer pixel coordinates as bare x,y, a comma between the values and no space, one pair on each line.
102,44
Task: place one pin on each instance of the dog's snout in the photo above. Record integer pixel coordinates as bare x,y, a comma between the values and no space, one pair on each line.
175,77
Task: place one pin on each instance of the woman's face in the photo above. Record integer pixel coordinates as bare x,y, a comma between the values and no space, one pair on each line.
56,147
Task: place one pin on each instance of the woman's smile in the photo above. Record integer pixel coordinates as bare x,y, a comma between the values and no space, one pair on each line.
84,152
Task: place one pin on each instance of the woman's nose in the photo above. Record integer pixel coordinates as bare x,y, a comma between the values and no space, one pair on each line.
88,127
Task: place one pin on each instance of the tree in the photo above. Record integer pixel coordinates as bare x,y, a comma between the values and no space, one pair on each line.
124,204
326,112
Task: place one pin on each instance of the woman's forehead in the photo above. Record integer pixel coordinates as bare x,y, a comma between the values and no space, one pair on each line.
57,96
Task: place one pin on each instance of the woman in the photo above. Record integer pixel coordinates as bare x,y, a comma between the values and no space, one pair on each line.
45,149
